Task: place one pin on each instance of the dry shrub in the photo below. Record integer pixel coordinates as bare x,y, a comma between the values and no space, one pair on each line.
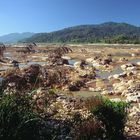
90,129
92,102
56,54
56,76
10,72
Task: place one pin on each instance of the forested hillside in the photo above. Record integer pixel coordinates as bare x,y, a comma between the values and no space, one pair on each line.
109,32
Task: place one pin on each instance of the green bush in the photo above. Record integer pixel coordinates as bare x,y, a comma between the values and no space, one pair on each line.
17,120
113,117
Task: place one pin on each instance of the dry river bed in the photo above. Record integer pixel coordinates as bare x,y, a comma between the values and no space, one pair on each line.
116,73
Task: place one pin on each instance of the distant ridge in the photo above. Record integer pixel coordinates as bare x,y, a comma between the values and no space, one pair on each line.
108,32
15,37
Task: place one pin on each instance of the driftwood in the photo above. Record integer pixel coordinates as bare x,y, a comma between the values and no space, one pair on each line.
28,48
2,49
55,56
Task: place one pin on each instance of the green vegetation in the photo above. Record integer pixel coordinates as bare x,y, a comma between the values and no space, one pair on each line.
104,33
21,120
17,120
113,117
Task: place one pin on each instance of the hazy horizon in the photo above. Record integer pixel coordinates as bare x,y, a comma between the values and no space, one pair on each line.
62,28
51,15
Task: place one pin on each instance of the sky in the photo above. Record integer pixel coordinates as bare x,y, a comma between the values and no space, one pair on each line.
51,15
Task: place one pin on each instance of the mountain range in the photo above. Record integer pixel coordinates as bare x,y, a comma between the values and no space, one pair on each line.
109,32
15,37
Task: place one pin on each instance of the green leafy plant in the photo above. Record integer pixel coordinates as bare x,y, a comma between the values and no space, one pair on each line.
17,117
113,117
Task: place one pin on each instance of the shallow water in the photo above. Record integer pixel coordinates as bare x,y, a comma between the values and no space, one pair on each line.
72,61
134,60
85,94
22,65
117,70
106,74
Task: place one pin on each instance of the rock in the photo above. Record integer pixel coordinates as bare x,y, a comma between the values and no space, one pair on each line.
123,67
106,61
131,68
66,57
123,59
95,89
91,89
126,87
133,99
75,86
94,61
123,75
104,92
89,60
95,64
87,73
84,70
128,67
116,100
119,88
130,82
62,61
138,63
110,77
134,54
116,76
77,64
107,92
